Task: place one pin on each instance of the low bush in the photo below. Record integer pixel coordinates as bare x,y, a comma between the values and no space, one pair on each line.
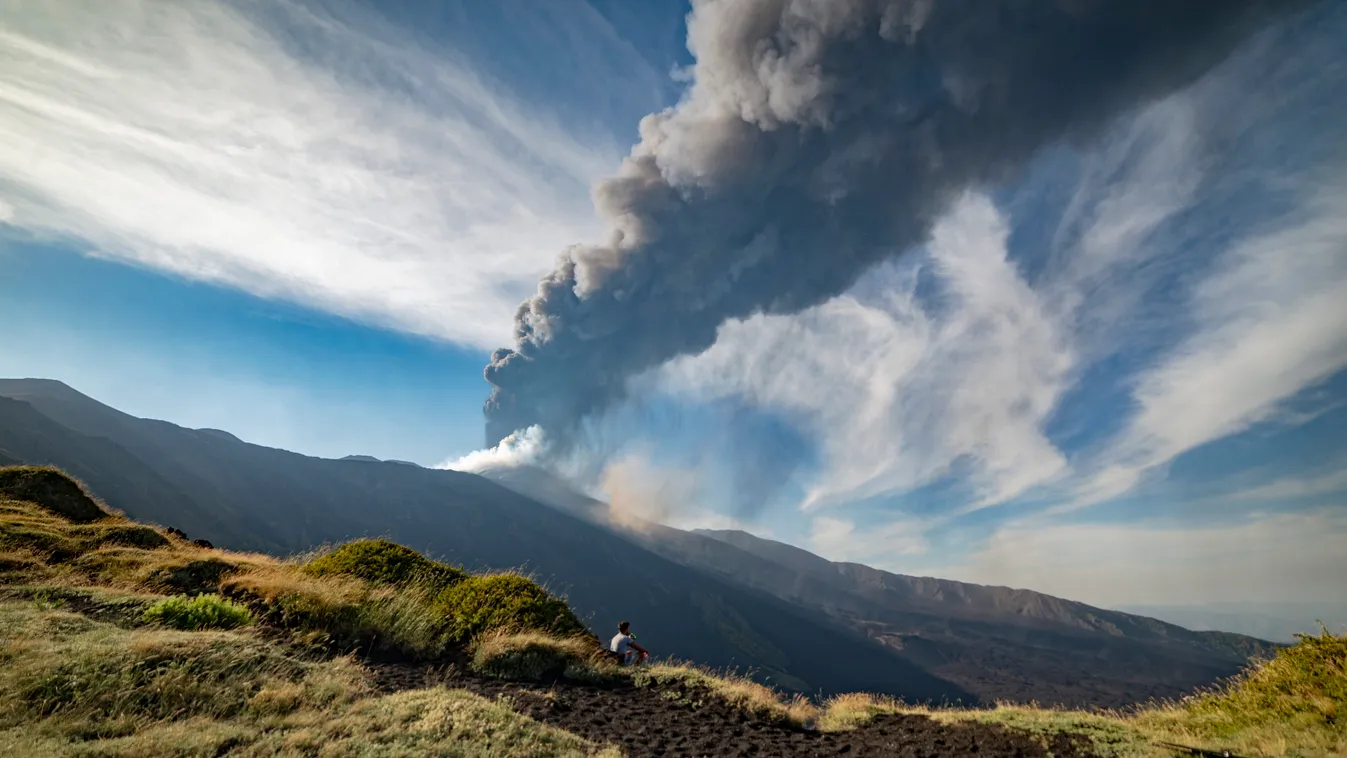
200,612
54,491
382,562
532,656
504,602
328,607
118,535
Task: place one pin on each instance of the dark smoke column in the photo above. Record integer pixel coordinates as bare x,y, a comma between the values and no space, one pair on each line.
819,138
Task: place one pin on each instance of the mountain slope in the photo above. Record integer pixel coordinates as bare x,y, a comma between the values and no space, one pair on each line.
30,437
997,642
276,501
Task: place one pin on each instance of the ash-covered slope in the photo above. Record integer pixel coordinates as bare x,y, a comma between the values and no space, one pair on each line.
277,501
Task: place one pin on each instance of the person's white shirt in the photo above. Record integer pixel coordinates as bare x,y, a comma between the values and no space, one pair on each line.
621,645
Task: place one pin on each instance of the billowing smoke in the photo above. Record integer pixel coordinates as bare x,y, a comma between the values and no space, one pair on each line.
818,138
523,447
640,494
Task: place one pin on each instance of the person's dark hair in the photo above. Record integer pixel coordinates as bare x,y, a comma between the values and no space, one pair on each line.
623,626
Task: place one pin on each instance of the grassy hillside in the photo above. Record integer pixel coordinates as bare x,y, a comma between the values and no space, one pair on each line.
279,502
120,639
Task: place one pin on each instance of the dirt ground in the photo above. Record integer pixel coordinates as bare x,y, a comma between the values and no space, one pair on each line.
683,722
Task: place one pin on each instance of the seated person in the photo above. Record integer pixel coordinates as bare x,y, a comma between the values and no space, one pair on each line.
625,647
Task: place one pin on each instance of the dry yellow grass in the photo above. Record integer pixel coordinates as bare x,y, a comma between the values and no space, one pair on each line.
533,655
739,691
1289,707
71,686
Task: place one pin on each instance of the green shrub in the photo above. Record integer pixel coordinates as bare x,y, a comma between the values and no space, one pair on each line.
54,491
382,562
504,601
200,612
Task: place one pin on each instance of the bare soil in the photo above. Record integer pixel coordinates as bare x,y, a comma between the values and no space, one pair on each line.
683,721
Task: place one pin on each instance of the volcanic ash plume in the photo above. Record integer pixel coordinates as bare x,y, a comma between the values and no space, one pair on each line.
818,138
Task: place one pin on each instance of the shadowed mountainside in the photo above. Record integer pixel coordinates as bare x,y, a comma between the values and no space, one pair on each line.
249,497
345,651
722,598
997,642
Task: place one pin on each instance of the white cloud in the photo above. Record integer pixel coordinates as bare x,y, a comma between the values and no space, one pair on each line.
1097,265
876,545
367,176
897,394
1294,487
1261,558
1268,324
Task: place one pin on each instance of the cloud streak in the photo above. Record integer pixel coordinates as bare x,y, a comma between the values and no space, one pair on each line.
1268,325
817,140
315,156
954,367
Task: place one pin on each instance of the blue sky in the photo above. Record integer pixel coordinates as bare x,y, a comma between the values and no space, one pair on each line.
1117,378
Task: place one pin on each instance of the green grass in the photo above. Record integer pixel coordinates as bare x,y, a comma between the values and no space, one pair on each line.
200,612
1291,706
72,686
481,604
384,563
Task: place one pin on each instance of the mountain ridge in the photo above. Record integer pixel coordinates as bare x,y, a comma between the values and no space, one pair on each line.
689,594
940,623
296,502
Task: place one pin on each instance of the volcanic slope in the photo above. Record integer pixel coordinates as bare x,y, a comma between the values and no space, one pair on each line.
124,639
808,625
998,643
278,502
120,638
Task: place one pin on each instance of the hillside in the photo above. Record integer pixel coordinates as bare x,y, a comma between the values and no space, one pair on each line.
278,502
119,639
727,600
997,642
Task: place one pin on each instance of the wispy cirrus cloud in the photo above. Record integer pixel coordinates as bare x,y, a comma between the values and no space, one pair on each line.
1268,325
896,393
1330,481
318,156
